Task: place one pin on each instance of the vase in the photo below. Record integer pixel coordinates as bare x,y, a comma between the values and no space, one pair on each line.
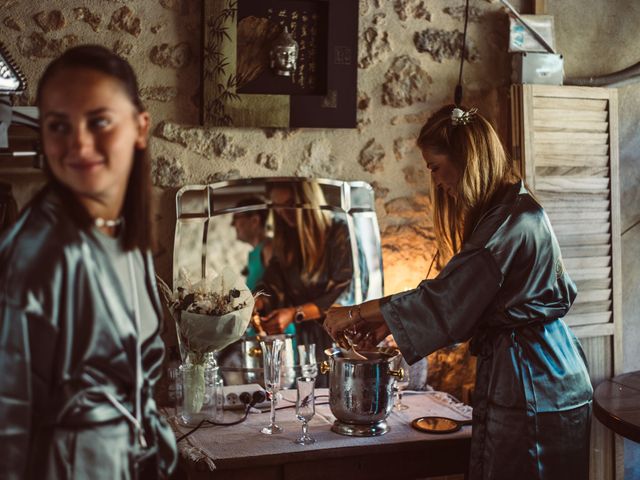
199,391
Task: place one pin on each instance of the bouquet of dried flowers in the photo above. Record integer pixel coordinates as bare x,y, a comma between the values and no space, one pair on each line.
209,315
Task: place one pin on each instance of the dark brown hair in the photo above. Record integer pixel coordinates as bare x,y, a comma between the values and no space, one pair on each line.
137,208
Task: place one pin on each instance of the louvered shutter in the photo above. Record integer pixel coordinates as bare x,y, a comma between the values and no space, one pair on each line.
564,141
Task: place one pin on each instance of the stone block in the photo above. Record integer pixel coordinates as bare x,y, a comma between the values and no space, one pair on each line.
171,56
91,18
124,20
372,156
441,44
50,21
405,83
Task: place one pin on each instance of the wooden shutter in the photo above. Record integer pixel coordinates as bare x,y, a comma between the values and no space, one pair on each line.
565,142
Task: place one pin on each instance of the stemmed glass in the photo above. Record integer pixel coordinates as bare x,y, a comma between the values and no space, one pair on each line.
305,407
308,363
401,384
272,360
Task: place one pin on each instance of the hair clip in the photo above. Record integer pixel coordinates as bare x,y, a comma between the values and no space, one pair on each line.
460,117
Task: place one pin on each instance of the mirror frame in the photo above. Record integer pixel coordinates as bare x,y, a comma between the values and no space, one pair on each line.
356,201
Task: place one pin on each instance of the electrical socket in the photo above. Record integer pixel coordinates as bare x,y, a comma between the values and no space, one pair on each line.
232,395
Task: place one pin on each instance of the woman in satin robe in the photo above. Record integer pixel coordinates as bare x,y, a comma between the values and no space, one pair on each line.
79,311
505,288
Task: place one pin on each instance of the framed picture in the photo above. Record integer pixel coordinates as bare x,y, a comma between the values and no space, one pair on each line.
280,63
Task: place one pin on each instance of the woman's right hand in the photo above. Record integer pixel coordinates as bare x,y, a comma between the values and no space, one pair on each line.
348,327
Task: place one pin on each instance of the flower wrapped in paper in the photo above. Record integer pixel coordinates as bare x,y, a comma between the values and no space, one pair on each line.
209,315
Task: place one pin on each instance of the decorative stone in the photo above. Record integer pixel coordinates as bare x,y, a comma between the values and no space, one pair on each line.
402,147
362,122
125,20
36,46
363,101
87,16
421,12
156,28
269,161
371,157
122,48
475,14
51,21
12,24
176,56
317,161
168,172
183,7
405,83
375,45
380,192
222,176
201,141
441,44
158,93
379,19
279,133
404,8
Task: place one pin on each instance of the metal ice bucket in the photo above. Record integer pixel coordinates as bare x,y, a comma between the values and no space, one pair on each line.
252,361
361,391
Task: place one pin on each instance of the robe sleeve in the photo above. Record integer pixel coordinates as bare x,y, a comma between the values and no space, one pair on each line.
444,310
15,392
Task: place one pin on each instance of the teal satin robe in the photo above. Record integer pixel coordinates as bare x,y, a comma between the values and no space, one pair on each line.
67,343
507,291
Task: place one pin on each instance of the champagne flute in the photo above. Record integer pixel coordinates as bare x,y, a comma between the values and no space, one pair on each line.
305,407
308,363
401,384
272,360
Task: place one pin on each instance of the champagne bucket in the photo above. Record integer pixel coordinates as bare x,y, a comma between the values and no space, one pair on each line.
361,391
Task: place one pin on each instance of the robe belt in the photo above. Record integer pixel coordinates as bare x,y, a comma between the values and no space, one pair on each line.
89,407
482,340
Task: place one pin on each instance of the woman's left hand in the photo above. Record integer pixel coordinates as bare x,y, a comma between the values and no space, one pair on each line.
278,320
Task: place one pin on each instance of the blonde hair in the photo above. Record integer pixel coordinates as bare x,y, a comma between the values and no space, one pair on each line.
477,153
312,226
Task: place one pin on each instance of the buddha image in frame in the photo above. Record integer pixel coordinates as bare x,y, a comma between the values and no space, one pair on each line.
281,47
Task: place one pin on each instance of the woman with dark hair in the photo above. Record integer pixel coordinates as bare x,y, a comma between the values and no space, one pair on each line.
79,309
505,288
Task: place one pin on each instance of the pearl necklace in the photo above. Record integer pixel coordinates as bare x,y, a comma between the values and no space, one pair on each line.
101,222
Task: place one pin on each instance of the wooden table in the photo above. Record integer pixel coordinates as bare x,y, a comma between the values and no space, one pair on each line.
241,452
616,403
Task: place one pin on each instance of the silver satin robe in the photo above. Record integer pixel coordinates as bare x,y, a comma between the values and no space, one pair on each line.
67,344
507,291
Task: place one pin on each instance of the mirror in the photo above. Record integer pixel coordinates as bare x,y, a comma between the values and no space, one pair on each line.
298,240
438,424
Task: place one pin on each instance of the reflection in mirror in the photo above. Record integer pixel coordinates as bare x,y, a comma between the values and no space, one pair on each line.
307,244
